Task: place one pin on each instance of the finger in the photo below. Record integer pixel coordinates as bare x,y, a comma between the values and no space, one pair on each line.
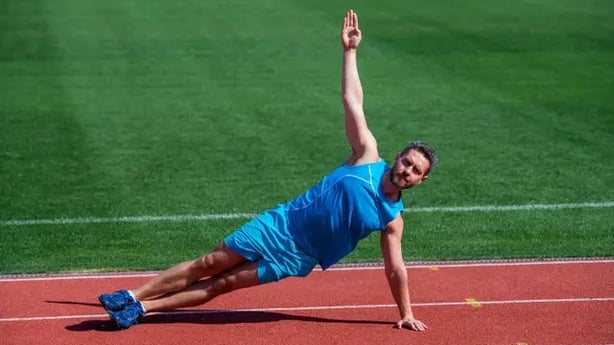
411,325
355,20
345,23
348,16
351,17
399,324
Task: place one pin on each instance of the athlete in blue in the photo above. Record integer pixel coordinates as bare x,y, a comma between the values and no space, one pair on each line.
321,226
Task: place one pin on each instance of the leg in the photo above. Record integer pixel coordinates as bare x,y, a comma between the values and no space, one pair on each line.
186,273
242,276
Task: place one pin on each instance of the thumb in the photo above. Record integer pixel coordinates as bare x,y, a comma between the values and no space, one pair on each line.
399,324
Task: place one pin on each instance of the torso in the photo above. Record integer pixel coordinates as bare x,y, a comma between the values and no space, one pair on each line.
329,219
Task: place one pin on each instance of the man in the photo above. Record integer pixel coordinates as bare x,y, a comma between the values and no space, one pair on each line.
320,226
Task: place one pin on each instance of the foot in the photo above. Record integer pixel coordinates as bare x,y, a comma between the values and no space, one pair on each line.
116,301
128,316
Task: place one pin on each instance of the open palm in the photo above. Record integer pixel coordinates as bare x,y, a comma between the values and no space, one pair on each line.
350,34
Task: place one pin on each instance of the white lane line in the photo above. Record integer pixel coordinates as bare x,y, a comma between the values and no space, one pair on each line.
317,308
221,216
368,267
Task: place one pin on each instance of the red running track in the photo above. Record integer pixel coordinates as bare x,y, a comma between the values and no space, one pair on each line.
534,303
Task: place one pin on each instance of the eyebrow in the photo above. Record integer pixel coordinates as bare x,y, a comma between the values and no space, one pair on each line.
420,170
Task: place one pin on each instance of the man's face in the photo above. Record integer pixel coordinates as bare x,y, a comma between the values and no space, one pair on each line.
409,169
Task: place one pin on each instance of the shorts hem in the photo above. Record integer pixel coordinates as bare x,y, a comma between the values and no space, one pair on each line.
247,255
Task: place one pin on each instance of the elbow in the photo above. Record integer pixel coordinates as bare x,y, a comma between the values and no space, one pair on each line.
396,273
349,99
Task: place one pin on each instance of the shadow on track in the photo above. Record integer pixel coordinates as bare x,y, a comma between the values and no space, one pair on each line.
75,303
215,317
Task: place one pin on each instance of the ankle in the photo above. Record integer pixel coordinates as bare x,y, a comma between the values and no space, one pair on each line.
146,306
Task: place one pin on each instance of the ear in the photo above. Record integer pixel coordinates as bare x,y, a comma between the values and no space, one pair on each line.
424,178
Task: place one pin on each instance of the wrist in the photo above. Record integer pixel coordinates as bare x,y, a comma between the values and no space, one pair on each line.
407,314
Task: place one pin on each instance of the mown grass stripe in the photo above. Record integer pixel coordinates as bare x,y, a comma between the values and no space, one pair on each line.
205,217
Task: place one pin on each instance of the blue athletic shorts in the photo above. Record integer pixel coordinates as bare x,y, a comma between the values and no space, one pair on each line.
265,241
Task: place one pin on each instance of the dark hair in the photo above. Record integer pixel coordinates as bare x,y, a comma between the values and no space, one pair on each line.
425,149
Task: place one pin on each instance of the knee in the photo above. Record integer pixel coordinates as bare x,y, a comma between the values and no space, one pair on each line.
204,264
222,285
213,258
208,260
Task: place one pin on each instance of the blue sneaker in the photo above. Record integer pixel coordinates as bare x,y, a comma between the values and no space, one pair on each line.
116,301
128,316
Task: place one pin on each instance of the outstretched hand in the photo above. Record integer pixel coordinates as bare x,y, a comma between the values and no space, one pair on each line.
350,34
411,323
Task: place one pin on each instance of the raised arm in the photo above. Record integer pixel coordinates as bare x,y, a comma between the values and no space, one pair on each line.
360,138
396,273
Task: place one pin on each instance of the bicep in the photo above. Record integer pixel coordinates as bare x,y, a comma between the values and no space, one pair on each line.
390,242
360,138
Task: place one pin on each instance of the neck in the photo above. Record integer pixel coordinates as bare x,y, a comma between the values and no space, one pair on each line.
392,192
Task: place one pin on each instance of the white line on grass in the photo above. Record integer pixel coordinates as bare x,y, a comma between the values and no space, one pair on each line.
127,219
359,267
316,308
222,216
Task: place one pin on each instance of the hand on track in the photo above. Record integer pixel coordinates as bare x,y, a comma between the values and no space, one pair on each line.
411,323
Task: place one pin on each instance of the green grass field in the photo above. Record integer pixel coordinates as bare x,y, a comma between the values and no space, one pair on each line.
131,108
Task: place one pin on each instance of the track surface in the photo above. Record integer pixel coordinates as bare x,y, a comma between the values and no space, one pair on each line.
545,303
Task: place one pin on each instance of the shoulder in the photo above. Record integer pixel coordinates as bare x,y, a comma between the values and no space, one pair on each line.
372,170
392,235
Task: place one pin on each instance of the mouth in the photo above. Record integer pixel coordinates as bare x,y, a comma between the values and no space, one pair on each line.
400,181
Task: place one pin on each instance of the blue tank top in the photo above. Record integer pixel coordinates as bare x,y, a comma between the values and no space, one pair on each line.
329,219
